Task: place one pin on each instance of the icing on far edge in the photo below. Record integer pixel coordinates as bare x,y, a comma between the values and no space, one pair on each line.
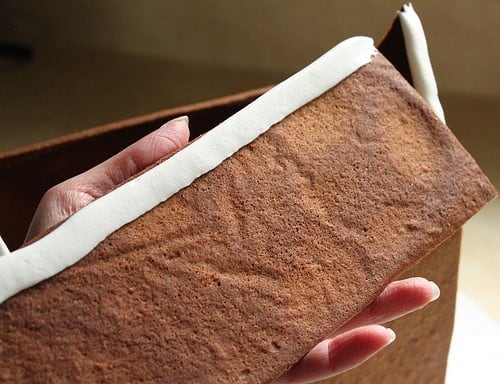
418,58
84,230
3,247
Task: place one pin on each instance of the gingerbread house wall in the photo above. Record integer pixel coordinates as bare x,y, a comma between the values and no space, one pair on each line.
418,356
420,353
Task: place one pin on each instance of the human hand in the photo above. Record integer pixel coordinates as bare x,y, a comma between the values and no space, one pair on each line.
64,199
362,337
348,347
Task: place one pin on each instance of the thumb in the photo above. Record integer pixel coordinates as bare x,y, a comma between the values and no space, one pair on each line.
66,198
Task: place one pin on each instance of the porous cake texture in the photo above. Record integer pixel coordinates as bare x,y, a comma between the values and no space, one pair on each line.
237,276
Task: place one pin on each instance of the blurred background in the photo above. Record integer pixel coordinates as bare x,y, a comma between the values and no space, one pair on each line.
70,65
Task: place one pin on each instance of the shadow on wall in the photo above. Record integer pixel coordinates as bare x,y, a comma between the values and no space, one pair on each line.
266,36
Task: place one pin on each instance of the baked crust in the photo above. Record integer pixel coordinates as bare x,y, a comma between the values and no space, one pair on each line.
236,277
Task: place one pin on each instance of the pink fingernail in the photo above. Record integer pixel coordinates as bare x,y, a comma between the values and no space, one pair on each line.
172,126
184,118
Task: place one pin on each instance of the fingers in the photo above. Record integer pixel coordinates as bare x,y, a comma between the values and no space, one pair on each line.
66,198
339,354
101,179
398,299
360,339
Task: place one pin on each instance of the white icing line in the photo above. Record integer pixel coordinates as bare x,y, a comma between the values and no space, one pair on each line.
4,250
83,231
419,60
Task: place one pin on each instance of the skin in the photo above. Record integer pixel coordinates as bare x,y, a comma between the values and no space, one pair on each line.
344,349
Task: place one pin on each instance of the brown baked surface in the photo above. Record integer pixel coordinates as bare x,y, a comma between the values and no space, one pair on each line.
234,278
420,353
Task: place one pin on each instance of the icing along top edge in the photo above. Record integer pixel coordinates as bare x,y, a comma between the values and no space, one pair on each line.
83,231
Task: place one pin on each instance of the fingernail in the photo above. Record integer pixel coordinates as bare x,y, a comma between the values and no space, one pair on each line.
184,118
171,125
392,335
436,292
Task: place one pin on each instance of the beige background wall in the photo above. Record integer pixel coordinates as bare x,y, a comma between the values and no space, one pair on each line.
269,35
